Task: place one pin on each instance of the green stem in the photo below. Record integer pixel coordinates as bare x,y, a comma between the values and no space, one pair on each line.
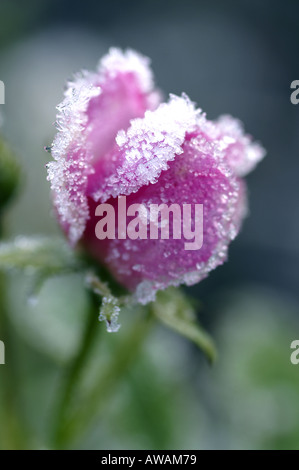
76,368
127,350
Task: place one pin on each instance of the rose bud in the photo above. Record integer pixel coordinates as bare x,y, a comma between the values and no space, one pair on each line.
116,144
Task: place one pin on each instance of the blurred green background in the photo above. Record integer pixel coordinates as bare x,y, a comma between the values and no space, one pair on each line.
236,57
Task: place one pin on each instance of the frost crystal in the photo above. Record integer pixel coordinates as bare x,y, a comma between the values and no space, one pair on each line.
130,61
148,145
241,153
109,313
69,171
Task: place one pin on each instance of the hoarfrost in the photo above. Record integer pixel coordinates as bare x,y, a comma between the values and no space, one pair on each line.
149,144
68,173
109,313
117,61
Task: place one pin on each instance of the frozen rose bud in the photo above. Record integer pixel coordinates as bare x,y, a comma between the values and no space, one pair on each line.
114,140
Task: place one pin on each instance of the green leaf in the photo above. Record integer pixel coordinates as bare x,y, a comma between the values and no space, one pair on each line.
175,311
47,310
47,256
52,320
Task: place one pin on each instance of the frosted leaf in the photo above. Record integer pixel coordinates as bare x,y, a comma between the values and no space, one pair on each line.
39,255
149,144
109,313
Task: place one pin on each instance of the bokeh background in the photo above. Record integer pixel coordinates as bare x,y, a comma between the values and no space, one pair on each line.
236,57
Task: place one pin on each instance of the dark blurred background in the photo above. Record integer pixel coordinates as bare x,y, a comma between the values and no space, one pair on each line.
236,57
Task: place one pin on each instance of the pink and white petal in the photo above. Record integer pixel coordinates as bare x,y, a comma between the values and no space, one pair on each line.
144,151
95,107
196,176
69,172
240,152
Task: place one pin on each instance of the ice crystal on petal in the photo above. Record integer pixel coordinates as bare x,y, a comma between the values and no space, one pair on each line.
69,171
241,153
117,61
86,126
149,144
